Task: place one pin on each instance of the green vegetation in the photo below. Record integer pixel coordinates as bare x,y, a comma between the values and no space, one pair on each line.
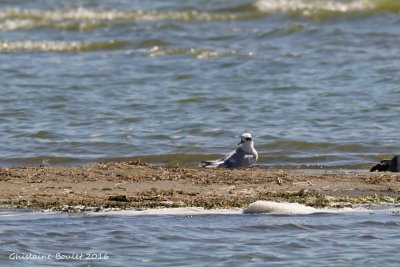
155,198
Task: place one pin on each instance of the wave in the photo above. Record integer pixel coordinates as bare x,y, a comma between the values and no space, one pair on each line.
59,46
112,15
278,208
284,208
314,163
84,19
329,8
187,211
198,53
183,160
325,147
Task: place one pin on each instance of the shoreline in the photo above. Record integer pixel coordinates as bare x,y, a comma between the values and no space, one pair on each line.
134,185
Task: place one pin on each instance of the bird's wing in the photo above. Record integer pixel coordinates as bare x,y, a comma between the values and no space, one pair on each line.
238,158
217,162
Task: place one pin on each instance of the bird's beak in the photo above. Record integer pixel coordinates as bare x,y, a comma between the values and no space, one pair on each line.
241,142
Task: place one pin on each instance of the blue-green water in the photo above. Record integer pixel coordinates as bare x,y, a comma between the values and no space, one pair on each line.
316,82
320,239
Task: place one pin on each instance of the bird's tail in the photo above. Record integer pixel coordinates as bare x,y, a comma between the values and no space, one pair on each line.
211,163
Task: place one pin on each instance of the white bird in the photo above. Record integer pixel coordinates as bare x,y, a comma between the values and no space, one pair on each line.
244,156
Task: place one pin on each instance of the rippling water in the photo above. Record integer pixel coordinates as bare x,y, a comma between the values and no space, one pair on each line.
316,82
348,239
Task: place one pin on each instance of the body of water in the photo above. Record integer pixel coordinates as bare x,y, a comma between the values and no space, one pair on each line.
315,82
200,238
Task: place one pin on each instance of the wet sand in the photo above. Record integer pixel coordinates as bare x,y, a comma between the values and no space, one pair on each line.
135,185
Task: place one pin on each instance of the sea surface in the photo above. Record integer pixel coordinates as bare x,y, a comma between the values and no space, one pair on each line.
317,82
200,238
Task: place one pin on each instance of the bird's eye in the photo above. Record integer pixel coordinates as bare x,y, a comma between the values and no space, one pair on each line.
248,139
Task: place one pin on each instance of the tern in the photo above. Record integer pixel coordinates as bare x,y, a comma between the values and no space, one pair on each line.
244,156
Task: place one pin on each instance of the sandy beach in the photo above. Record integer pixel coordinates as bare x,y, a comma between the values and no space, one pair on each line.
136,185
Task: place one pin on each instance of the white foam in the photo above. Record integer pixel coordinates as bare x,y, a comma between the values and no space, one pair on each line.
170,211
285,208
262,206
85,14
311,6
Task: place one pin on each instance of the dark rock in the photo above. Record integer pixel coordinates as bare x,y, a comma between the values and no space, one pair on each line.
120,198
392,165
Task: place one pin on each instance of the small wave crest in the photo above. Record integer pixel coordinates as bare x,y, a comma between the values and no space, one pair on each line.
87,19
262,206
86,14
58,46
189,211
285,208
328,8
195,52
